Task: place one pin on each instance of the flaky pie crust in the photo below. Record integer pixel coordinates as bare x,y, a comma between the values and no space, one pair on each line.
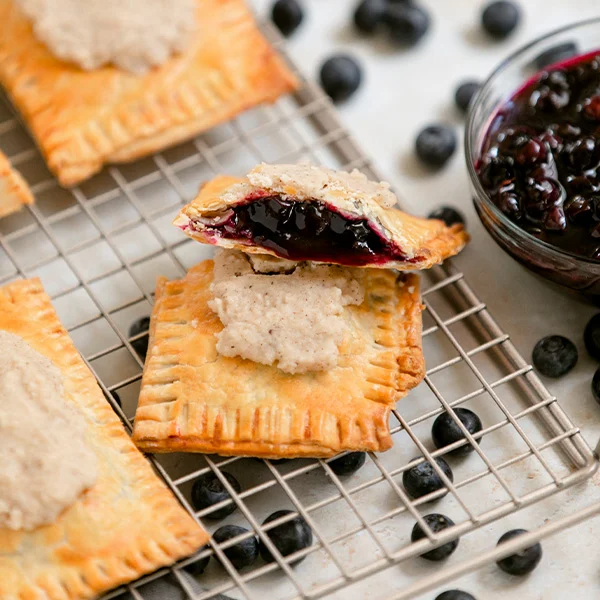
127,525
14,191
426,242
193,399
85,119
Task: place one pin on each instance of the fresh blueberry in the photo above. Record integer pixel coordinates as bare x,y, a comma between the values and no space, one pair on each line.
436,523
465,93
500,18
242,554
596,385
435,145
423,479
208,490
369,15
591,337
341,76
287,15
554,356
197,568
406,22
522,562
140,326
289,537
555,54
455,595
448,214
348,464
445,430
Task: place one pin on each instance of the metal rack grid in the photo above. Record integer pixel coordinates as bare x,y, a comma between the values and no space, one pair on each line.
98,248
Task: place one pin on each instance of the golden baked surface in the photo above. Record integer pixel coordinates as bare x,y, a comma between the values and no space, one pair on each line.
14,192
195,400
127,525
82,120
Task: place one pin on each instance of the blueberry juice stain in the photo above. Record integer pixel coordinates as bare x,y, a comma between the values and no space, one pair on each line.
540,161
308,230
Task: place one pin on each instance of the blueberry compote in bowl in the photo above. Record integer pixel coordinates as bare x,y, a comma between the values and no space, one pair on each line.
533,153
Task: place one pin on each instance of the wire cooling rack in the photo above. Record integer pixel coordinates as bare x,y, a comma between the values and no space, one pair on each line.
98,249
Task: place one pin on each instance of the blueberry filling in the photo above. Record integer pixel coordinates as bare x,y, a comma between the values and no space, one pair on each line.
540,160
308,230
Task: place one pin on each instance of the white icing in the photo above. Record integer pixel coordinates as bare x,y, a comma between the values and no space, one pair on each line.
134,35
46,463
292,320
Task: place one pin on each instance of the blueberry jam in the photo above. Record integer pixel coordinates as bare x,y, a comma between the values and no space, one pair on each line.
540,162
307,231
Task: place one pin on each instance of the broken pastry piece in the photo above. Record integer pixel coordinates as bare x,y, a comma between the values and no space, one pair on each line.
230,369
82,120
14,192
308,213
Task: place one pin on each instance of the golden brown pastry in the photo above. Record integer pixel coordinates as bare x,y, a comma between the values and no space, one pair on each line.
303,212
193,399
126,525
14,191
85,119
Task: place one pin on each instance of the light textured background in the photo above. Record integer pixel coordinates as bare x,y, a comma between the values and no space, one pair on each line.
403,91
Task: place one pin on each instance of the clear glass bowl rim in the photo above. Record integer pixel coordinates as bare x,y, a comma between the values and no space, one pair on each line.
470,151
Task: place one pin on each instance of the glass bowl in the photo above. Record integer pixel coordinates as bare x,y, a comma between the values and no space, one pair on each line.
570,271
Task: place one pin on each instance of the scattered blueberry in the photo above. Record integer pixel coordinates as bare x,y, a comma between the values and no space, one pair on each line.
445,430
341,76
554,356
435,145
287,15
349,463
596,385
465,93
208,490
436,523
423,479
448,214
140,326
555,54
242,554
197,568
289,537
368,15
500,18
455,595
407,23
522,562
591,337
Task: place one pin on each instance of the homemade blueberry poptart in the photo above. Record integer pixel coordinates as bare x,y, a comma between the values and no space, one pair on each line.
82,120
126,524
303,212
14,192
316,399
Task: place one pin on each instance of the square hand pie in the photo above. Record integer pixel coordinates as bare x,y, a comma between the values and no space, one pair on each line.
126,525
196,400
304,212
85,119
14,192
